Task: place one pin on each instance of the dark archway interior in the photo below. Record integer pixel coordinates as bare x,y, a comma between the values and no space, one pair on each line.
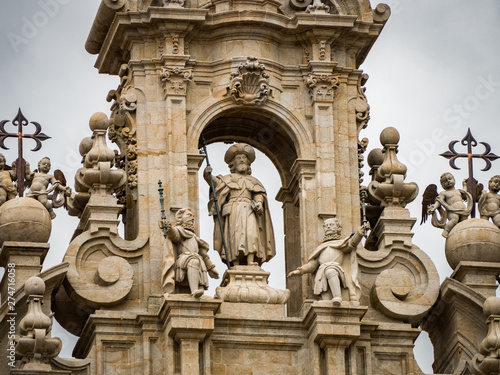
261,130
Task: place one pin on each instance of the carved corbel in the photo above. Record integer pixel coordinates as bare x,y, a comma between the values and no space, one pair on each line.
361,105
322,86
175,80
250,84
124,97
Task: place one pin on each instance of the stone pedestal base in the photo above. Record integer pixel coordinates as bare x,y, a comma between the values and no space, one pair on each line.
479,276
249,284
21,261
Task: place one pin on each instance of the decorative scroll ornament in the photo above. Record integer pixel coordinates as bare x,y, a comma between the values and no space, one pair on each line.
122,132
124,97
322,87
250,84
35,346
175,80
361,104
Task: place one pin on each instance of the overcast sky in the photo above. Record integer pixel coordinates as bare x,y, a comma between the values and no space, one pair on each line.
434,71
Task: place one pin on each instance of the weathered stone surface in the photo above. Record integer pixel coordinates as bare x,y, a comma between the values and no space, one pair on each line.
24,219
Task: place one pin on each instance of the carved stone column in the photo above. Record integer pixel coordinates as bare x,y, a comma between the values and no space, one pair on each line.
189,322
333,330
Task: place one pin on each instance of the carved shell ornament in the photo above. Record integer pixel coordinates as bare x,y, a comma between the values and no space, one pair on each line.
250,84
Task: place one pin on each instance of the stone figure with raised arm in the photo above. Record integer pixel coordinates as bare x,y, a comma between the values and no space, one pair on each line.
449,203
489,202
7,176
191,253
39,181
248,230
335,264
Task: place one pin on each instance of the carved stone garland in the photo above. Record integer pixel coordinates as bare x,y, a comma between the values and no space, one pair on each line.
250,84
361,104
322,86
121,130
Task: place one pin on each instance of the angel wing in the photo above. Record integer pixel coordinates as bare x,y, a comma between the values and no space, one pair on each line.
428,198
59,176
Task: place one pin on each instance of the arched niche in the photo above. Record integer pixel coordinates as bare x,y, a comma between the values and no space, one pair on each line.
284,139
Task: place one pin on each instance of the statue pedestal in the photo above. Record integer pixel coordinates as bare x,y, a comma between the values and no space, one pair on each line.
21,261
249,284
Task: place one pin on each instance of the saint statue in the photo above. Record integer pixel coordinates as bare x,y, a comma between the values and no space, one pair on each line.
191,253
248,231
335,264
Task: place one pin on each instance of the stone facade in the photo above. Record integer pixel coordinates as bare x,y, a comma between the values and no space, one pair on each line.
284,78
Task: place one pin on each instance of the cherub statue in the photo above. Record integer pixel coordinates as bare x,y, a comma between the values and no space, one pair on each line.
39,181
7,176
335,263
191,253
449,203
489,203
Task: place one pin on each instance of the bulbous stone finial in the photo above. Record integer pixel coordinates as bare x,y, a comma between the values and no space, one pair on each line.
388,186
85,145
488,360
389,136
375,157
35,346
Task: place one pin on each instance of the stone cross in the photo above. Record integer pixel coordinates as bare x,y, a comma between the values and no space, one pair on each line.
37,136
487,156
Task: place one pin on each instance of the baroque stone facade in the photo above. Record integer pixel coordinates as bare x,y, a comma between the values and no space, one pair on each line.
221,70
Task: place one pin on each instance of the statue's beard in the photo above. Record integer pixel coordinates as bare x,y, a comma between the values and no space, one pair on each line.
188,226
330,237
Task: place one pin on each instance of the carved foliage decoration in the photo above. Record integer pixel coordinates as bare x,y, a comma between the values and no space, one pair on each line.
122,127
175,80
361,104
250,84
322,86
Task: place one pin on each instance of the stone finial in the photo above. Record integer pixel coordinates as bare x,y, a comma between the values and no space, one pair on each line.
96,176
487,361
388,187
35,346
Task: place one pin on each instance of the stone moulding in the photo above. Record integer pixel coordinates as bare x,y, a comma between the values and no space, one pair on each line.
250,84
249,284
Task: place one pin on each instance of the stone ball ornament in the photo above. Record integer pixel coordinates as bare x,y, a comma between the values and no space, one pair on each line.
24,220
85,145
389,136
34,286
474,240
375,157
99,121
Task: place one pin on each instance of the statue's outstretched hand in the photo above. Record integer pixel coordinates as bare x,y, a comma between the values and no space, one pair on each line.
213,273
294,273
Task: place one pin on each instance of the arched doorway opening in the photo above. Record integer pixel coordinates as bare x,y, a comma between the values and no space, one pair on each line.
284,142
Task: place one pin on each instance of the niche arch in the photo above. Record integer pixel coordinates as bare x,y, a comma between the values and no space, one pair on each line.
283,136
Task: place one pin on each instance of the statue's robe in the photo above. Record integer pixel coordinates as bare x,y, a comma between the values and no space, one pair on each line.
245,231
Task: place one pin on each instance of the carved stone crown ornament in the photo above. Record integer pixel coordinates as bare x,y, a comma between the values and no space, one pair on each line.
322,86
175,80
250,84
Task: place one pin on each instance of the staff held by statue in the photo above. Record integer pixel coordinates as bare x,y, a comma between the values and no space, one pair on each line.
216,203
